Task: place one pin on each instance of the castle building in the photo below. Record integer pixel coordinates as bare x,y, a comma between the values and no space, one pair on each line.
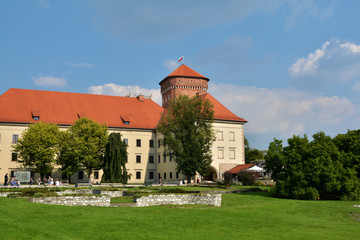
135,118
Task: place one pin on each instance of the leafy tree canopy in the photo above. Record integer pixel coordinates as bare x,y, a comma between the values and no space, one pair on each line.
83,145
115,160
322,168
38,147
188,134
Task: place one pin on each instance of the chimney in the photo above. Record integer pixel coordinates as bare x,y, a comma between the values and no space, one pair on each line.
140,98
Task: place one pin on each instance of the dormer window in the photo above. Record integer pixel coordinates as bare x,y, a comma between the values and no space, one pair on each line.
35,115
81,115
125,118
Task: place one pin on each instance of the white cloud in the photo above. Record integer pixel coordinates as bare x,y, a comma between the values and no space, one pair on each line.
282,113
308,65
171,64
271,113
81,64
49,81
118,90
335,63
352,46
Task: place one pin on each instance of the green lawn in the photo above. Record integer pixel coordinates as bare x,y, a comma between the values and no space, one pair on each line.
242,216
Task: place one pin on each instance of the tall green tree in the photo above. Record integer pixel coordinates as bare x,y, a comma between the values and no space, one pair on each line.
115,160
311,170
349,144
69,159
38,147
83,146
188,134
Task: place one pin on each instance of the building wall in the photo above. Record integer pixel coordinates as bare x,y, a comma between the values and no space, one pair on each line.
139,167
140,171
6,141
227,150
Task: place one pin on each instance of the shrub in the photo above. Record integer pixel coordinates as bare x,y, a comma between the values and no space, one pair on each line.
228,178
172,190
246,178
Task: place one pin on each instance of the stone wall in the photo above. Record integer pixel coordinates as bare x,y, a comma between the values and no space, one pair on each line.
92,191
103,201
178,199
5,194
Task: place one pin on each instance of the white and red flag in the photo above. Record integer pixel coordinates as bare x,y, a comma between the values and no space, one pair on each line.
181,58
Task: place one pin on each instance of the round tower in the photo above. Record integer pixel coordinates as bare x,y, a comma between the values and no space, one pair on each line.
182,81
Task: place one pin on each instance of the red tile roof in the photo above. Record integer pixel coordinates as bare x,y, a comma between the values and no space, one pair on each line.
240,167
185,71
221,112
20,105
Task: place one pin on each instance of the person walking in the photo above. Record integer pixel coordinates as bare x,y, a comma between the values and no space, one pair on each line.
6,179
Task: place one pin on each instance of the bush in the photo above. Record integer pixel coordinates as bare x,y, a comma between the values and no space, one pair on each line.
228,178
246,178
172,190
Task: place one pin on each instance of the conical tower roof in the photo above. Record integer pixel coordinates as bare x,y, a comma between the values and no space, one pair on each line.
185,71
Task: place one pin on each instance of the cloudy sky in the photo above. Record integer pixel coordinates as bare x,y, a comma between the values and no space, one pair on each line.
288,67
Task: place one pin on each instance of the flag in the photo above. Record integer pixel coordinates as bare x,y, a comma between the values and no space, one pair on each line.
181,58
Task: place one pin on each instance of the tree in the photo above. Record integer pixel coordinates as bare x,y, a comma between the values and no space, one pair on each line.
83,146
38,147
115,159
188,134
68,159
349,144
252,154
311,170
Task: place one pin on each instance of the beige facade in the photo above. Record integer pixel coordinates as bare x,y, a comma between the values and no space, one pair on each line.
134,118
146,160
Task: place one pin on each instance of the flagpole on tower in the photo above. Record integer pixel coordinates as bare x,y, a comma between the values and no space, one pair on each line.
181,59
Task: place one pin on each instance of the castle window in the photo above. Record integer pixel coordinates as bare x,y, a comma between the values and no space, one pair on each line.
138,142
151,175
96,175
15,138
151,158
151,143
232,136
232,153
138,175
138,158
125,140
219,136
220,153
14,156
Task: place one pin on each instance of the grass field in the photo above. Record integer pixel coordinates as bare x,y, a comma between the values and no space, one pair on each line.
242,216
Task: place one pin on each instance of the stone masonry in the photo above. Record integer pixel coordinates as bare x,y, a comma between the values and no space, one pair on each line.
177,199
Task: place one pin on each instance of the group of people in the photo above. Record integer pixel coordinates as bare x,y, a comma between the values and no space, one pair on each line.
16,183
13,182
51,182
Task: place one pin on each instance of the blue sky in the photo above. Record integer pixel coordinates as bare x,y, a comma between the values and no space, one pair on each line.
288,67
